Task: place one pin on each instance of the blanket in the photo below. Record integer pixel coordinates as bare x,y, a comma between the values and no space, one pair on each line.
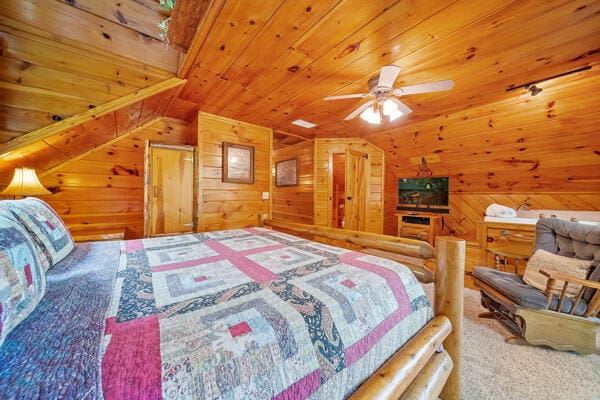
252,313
245,313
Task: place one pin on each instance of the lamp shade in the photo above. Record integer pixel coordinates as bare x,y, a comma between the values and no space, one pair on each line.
25,183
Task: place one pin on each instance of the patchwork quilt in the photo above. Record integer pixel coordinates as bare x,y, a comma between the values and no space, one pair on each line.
44,226
252,314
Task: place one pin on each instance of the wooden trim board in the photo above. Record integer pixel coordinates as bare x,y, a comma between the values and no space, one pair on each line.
46,131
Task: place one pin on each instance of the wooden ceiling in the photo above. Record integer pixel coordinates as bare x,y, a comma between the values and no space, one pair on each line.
275,61
62,58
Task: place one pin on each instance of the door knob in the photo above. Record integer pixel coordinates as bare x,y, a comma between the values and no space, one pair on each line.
349,198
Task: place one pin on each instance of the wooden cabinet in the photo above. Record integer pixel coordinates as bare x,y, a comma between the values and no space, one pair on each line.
507,246
419,226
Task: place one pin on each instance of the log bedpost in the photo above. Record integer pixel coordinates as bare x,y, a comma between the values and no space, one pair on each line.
449,292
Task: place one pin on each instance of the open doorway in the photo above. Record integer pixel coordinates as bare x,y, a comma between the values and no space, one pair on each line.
339,190
349,190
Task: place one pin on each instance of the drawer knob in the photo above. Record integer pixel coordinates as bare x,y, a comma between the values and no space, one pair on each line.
489,239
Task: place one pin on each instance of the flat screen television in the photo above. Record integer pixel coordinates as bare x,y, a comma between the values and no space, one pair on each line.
423,193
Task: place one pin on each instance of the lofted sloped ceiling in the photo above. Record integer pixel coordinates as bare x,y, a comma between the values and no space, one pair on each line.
62,58
51,146
274,61
83,84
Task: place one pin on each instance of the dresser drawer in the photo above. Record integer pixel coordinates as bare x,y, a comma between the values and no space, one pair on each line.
419,226
507,240
413,232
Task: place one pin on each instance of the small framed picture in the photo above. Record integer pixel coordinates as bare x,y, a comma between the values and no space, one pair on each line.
286,172
238,163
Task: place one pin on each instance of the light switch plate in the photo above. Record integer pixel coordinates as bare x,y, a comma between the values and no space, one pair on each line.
265,195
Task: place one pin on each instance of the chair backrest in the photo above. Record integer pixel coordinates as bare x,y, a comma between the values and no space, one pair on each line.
571,239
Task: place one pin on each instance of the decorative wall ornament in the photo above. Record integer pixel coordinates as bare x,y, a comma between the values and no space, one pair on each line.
238,163
286,172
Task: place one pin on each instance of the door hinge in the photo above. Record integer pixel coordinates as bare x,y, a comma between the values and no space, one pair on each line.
188,159
190,224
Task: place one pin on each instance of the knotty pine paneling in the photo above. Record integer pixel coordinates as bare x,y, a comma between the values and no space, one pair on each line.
541,153
225,205
323,180
60,59
103,192
274,63
295,203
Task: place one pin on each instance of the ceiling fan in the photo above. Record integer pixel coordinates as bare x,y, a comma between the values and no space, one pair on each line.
384,96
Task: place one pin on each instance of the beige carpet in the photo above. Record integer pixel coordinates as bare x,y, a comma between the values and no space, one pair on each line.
492,369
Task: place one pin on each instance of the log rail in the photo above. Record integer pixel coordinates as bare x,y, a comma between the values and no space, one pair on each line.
419,369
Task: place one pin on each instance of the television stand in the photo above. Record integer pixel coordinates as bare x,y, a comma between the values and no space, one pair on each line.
419,225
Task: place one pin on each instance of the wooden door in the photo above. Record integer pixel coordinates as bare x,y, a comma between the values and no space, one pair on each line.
169,189
356,190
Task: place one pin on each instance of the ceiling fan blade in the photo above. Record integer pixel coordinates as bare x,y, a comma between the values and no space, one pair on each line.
424,88
346,96
388,75
359,110
402,107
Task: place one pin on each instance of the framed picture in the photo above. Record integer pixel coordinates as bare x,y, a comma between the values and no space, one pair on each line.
238,163
286,172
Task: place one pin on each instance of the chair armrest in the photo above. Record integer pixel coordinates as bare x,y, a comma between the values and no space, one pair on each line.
567,278
551,288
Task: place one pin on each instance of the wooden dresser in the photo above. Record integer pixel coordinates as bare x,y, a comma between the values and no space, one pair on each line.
421,226
507,246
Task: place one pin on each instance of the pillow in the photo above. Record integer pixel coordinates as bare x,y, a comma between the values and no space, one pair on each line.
22,278
550,262
44,226
9,216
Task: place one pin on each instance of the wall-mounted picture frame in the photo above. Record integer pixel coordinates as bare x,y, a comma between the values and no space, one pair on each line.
238,163
286,172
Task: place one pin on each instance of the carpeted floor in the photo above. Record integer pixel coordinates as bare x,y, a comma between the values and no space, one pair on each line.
492,369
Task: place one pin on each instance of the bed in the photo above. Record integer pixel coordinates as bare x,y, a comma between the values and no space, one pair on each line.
242,313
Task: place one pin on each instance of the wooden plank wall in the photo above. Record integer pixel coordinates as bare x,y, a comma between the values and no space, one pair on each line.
295,203
103,191
225,205
60,58
324,149
541,153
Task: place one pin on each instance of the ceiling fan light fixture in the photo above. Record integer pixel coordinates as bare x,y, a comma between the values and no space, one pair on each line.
382,93
371,115
390,109
395,115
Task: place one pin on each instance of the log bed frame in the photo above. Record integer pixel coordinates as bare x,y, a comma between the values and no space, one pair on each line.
422,368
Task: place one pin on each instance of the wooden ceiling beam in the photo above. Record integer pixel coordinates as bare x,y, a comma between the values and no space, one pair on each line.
96,149
89,115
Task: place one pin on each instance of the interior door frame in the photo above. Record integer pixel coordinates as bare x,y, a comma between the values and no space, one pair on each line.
367,173
148,181
364,194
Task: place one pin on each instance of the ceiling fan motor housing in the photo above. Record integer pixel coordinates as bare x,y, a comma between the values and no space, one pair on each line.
377,90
